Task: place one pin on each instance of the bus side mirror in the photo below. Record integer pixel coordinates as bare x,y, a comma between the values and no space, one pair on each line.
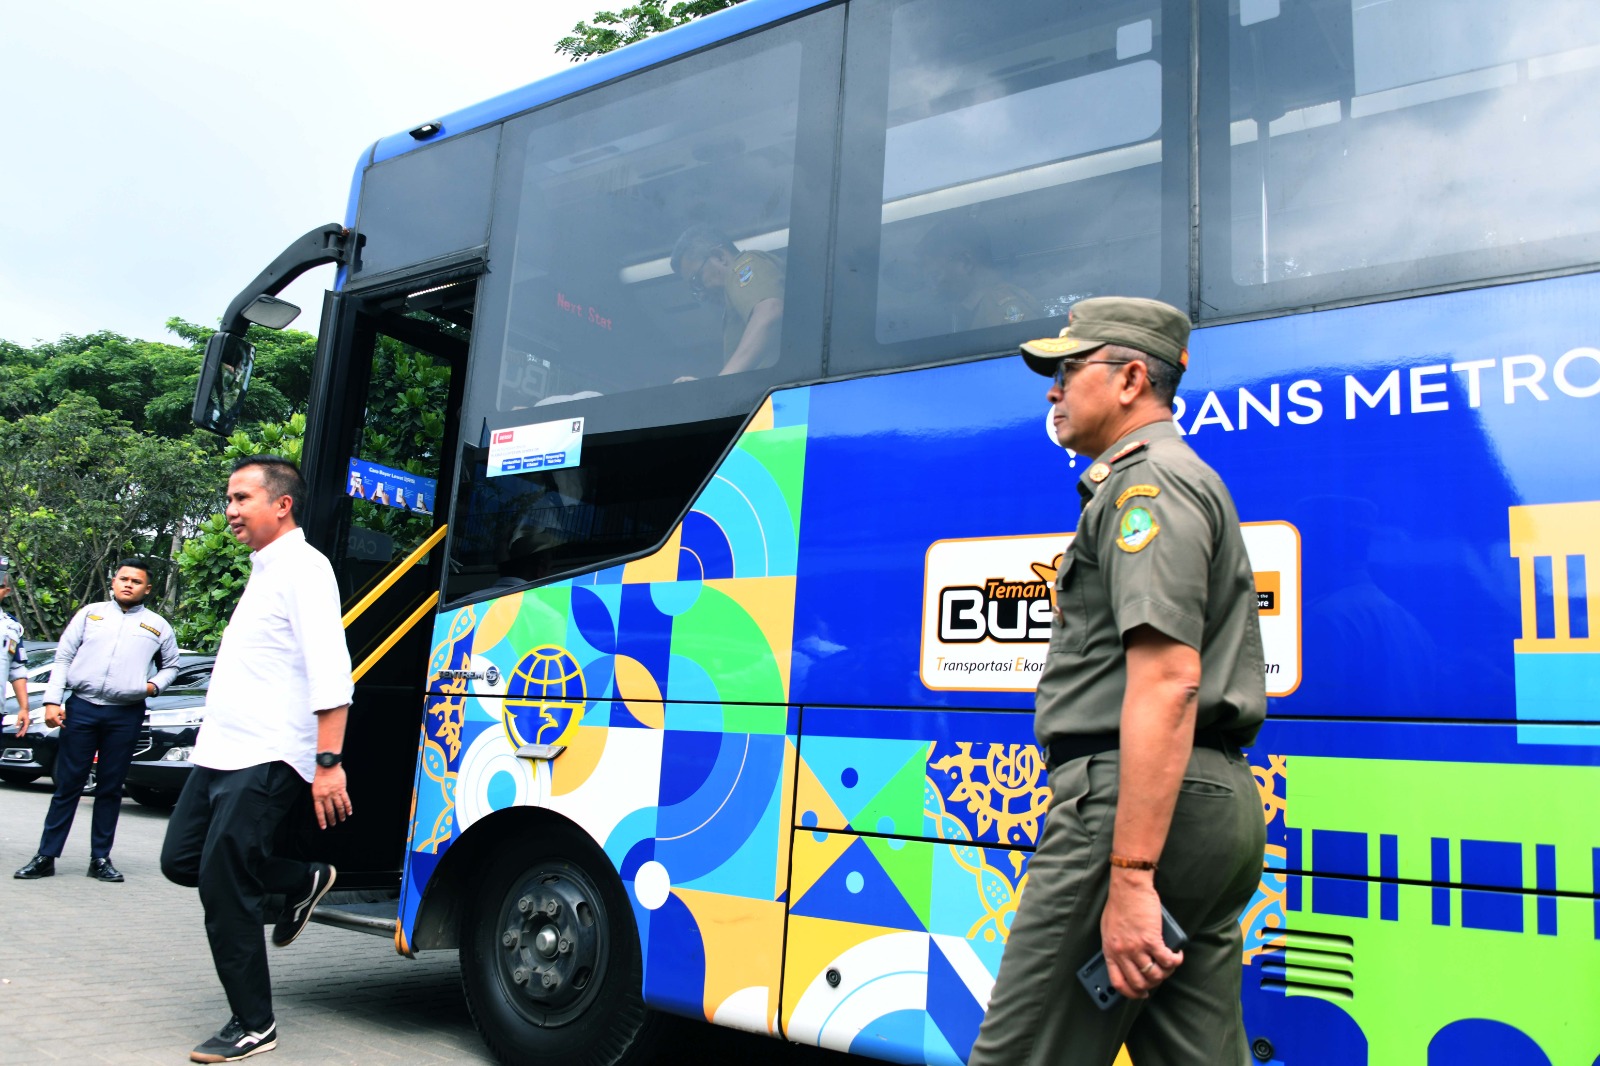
271,312
224,379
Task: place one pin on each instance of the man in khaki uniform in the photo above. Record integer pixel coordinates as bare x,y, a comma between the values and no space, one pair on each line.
1153,681
751,287
957,256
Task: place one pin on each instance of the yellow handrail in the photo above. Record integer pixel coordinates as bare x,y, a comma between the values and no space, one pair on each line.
388,642
394,575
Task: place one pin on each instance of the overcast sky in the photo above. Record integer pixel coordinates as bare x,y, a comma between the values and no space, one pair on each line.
160,153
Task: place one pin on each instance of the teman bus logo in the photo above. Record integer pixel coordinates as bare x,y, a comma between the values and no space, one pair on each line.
987,609
988,604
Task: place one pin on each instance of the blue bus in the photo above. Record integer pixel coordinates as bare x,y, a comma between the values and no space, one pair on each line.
700,682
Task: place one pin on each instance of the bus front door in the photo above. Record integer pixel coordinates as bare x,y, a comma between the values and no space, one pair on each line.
378,458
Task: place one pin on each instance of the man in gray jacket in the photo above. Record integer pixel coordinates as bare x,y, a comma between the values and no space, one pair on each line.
113,656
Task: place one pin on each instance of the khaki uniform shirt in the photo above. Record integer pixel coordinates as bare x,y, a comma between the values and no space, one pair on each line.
1002,303
755,276
1158,544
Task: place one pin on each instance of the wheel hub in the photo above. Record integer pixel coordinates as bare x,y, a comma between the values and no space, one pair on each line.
552,945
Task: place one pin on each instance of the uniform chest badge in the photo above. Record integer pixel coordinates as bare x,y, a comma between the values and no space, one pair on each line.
94,618
1136,529
1099,472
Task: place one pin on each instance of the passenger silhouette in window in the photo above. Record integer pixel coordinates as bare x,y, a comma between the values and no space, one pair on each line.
959,262
750,286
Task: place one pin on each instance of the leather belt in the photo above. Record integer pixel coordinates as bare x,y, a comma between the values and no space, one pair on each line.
1080,745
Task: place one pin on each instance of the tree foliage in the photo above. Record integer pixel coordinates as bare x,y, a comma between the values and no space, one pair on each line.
404,429
213,565
99,460
80,488
611,30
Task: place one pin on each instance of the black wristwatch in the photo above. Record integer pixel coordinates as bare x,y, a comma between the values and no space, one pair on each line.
328,759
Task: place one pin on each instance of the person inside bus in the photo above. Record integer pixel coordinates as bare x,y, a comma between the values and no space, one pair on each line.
959,263
750,286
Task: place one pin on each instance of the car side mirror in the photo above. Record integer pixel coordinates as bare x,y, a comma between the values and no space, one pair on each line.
224,380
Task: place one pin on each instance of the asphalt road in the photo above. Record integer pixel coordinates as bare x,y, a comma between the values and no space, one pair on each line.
101,973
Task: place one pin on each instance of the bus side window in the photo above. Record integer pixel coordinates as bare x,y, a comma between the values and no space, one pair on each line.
652,225
997,170
1355,150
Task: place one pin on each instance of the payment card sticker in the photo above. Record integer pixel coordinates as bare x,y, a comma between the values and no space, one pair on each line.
542,446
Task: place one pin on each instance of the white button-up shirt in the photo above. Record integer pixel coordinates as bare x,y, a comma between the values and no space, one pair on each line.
283,659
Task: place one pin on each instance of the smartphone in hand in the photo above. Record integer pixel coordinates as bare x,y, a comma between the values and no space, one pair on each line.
1096,979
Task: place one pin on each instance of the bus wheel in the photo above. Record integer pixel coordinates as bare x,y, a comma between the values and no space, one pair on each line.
550,959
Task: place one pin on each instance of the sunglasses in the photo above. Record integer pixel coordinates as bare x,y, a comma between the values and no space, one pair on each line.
1063,375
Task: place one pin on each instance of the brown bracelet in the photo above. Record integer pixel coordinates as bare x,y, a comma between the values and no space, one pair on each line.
1132,864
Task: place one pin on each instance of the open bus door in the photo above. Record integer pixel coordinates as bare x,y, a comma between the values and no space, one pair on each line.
378,462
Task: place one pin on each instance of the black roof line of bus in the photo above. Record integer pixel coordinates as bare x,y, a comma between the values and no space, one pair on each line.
325,244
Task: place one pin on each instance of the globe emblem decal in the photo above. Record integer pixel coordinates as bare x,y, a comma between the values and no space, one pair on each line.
544,696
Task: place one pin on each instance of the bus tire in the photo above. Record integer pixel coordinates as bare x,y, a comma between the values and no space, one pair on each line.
550,959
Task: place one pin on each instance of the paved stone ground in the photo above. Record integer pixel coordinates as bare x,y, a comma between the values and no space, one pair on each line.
97,973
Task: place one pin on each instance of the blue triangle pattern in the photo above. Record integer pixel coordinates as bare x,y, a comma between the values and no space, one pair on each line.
856,889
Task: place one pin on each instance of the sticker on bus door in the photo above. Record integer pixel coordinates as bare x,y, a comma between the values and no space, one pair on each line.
541,446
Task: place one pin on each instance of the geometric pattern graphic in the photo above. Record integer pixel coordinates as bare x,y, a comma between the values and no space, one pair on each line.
689,797
816,843
1384,967
1557,545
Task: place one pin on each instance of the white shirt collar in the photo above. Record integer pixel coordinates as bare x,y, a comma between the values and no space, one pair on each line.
276,549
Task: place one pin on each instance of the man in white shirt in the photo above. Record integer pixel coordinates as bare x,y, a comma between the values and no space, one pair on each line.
275,715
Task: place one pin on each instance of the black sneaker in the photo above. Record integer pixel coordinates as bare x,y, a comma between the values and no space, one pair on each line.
234,1041
102,870
38,866
285,932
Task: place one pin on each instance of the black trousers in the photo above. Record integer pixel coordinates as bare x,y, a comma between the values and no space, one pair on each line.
219,840
90,727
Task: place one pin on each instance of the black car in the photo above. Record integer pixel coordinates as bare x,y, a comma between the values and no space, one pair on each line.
161,758
29,757
19,762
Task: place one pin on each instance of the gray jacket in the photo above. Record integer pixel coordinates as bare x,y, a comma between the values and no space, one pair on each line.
108,655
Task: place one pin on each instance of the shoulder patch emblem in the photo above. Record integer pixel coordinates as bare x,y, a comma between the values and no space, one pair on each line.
1137,490
150,628
1136,530
1099,472
746,272
1129,450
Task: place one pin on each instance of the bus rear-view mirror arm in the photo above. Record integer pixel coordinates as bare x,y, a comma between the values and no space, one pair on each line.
325,244
229,358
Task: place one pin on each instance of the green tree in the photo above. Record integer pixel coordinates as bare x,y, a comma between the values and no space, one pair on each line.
80,488
404,429
212,564
611,30
150,384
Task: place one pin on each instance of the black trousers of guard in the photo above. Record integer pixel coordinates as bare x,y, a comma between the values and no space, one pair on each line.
220,840
91,727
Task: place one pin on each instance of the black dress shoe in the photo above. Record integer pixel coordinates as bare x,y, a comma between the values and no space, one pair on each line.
38,866
102,870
